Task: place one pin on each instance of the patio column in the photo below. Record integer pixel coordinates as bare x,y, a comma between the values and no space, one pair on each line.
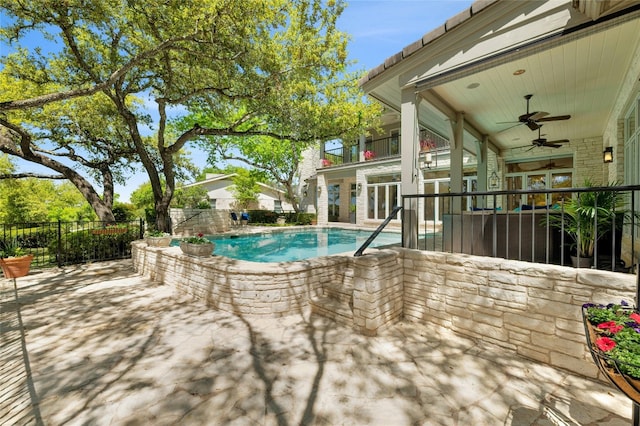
408,146
482,167
456,170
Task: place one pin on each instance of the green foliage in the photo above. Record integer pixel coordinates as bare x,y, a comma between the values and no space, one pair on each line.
84,246
618,335
190,197
245,188
242,69
11,248
124,212
589,216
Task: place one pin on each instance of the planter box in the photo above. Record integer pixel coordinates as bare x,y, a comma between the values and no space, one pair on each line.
201,250
16,267
158,241
109,231
610,367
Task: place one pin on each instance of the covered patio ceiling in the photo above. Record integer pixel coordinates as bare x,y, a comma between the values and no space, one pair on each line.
485,60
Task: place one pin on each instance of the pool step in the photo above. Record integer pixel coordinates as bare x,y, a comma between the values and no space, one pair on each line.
329,307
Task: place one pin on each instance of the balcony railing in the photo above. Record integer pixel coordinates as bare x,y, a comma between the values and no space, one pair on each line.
379,148
469,223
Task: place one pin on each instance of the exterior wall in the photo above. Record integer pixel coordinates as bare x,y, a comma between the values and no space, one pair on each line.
587,162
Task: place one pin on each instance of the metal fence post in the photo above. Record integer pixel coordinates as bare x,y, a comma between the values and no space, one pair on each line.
59,245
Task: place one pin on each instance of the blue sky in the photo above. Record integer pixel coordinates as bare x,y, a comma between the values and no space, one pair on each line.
378,29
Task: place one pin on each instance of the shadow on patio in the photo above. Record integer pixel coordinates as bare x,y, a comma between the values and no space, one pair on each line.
100,345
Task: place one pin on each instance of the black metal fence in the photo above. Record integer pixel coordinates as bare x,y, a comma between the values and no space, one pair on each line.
64,243
535,226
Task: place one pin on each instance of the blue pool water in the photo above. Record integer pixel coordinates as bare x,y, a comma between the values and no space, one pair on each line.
296,244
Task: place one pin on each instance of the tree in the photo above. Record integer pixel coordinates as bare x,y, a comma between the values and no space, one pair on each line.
240,62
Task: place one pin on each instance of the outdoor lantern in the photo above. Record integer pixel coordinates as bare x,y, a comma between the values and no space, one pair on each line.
607,155
359,187
493,180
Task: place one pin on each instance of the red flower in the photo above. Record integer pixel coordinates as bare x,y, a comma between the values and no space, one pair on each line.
635,316
611,326
200,235
605,344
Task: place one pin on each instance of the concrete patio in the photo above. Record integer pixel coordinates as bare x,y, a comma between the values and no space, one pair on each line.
99,345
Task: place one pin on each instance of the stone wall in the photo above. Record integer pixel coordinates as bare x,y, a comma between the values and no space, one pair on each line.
194,221
532,309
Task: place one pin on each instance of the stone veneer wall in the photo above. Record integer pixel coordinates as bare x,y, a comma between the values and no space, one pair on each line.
529,308
193,221
277,289
532,309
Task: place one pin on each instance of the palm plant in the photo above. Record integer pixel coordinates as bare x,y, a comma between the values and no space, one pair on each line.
590,216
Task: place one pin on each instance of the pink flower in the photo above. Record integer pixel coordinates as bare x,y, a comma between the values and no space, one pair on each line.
605,344
635,316
325,162
368,155
611,326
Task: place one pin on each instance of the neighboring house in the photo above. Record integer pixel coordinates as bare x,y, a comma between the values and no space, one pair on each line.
220,194
457,118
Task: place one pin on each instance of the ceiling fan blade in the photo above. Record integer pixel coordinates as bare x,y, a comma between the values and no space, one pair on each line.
555,118
559,141
551,145
536,116
508,128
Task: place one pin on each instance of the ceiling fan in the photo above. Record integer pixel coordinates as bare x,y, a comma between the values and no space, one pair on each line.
542,142
531,119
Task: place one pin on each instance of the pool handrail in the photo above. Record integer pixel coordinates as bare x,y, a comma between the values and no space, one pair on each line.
378,230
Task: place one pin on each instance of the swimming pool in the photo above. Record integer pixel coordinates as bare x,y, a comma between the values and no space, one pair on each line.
296,244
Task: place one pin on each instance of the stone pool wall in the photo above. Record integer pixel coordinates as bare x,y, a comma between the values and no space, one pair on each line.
532,309
368,288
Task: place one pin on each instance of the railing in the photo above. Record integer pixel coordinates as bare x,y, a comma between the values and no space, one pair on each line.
385,147
379,148
378,230
64,243
342,155
543,233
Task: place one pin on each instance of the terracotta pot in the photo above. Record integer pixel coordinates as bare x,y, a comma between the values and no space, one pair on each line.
16,267
201,250
158,241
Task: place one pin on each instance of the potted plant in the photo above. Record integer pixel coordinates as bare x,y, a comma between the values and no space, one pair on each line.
369,155
15,263
587,218
613,337
197,246
155,238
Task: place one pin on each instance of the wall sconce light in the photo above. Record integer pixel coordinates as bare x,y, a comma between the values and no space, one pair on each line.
304,194
427,160
493,180
607,155
319,190
359,187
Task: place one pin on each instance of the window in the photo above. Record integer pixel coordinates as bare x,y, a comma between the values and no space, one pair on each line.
632,150
333,194
542,174
383,194
277,206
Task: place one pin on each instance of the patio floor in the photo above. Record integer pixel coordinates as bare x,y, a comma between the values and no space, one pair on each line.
100,345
